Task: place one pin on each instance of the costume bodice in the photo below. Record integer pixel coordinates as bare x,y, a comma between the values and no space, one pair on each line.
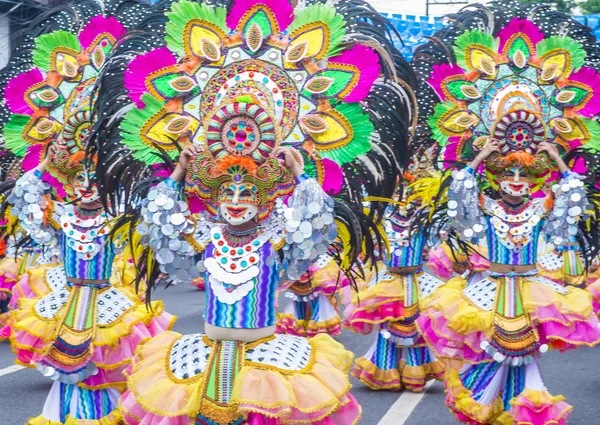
241,282
406,249
512,236
86,251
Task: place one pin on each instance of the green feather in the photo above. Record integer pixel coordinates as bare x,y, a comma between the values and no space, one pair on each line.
361,142
469,38
557,42
322,12
13,134
440,109
45,44
593,127
185,11
131,126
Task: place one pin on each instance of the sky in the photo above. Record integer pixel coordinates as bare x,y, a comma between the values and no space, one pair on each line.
418,7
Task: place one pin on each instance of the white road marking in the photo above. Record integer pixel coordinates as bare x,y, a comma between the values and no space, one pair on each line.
10,369
400,411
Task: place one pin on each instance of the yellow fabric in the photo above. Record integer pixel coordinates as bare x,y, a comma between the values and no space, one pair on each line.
114,418
9,266
463,317
319,386
302,327
575,302
464,403
26,319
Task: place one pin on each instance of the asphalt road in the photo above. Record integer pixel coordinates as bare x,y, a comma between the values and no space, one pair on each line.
576,375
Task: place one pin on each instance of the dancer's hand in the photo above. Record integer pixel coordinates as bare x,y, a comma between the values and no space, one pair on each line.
490,147
50,155
291,158
549,149
553,154
184,159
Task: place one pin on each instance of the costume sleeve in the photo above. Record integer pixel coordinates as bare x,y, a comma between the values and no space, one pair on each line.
166,227
309,228
31,207
465,213
570,206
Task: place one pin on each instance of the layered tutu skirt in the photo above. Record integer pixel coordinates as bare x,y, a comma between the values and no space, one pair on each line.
87,365
9,272
492,333
399,357
565,267
283,379
312,308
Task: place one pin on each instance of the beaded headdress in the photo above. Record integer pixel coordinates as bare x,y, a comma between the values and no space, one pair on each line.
244,77
269,179
66,167
522,77
49,83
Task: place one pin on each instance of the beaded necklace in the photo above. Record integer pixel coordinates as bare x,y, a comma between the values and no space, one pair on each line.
82,228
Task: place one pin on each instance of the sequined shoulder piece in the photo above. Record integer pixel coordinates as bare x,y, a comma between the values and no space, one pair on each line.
50,304
286,352
112,304
189,356
482,294
427,284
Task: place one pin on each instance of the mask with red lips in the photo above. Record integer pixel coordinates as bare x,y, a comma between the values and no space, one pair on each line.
515,181
85,191
238,203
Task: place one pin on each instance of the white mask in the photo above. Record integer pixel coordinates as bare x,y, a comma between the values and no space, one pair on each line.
86,193
515,185
238,203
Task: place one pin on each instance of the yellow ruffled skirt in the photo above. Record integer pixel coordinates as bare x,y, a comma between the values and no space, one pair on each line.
176,380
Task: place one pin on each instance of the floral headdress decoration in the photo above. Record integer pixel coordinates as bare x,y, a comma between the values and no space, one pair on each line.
65,167
54,99
269,179
519,88
257,74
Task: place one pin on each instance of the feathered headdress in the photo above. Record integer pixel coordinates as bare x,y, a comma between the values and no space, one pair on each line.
245,77
519,86
519,75
48,85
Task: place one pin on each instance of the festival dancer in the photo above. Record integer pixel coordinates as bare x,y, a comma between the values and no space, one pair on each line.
515,95
389,304
255,105
83,332
312,308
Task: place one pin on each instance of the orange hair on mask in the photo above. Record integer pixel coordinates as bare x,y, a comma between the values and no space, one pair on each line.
522,158
77,157
244,162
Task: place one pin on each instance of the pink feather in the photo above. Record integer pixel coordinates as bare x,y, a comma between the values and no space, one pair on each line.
367,62
440,263
141,67
524,26
589,77
450,154
15,90
32,158
440,73
334,177
282,10
99,25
